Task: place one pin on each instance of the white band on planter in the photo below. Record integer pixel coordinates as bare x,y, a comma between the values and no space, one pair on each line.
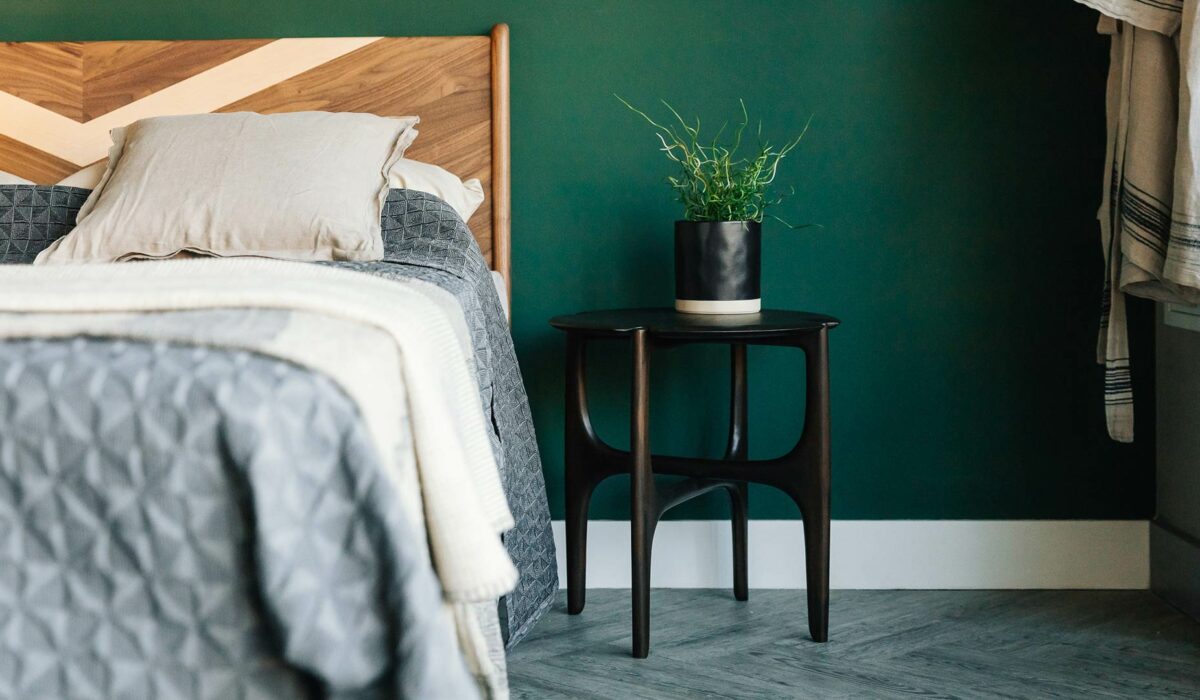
724,306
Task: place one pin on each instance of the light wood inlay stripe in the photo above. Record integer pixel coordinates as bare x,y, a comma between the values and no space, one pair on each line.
58,101
205,92
116,73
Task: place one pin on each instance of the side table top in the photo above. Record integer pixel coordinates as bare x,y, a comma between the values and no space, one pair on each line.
668,323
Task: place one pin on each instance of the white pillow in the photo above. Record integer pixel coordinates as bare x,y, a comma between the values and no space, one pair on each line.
294,186
10,179
464,196
89,178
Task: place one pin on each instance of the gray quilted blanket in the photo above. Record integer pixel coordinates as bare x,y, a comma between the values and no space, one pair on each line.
158,540
425,239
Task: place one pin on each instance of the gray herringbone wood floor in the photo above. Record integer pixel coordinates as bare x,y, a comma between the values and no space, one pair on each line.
883,644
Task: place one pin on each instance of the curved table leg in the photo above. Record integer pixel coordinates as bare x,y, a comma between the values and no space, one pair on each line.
738,496
813,492
579,483
644,509
738,449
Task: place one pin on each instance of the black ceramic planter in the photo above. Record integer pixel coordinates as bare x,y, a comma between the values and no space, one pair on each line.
717,267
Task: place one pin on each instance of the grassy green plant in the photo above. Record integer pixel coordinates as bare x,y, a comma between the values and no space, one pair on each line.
714,183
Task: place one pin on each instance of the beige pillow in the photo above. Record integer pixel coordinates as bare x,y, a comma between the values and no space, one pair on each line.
464,196
295,186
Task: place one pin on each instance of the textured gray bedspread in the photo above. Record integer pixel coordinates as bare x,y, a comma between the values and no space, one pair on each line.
425,239
178,522
187,522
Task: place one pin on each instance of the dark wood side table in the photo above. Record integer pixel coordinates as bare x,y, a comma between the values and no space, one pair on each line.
802,473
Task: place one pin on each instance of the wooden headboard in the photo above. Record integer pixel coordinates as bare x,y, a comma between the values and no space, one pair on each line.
58,100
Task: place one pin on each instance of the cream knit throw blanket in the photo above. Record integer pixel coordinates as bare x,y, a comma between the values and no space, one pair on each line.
420,369
1150,211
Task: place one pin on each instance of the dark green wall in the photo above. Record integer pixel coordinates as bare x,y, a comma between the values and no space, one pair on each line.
954,161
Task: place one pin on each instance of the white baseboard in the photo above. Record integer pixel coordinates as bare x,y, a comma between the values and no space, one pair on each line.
884,554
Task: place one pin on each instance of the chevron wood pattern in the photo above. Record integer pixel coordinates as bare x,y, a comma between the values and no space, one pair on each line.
117,73
39,166
58,100
882,644
49,75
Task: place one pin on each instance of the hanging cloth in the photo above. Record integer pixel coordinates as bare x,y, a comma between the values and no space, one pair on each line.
1150,208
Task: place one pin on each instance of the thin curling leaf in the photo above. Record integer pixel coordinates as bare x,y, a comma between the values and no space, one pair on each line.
713,183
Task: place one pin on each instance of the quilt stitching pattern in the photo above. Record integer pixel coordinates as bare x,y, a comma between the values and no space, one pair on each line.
32,217
424,239
204,523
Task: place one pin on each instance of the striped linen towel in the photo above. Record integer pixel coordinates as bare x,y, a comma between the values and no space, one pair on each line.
1150,209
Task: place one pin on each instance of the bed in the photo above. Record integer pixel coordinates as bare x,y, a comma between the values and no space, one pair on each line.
195,503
